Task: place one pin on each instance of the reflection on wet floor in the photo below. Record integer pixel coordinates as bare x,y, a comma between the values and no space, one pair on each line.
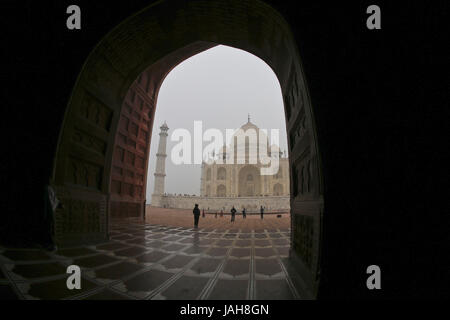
145,261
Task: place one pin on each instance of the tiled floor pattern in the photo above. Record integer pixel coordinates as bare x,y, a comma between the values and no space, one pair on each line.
149,261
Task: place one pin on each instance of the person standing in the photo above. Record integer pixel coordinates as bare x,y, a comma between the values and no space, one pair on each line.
221,213
196,213
262,212
215,216
244,213
233,214
203,213
51,204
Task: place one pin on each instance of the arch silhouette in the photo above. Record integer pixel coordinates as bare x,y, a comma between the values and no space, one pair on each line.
99,165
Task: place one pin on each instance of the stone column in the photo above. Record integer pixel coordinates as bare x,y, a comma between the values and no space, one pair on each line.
160,170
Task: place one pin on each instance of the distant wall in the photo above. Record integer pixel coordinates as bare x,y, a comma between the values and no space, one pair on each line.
252,204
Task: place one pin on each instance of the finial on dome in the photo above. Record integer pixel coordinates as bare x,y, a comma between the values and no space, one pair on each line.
249,117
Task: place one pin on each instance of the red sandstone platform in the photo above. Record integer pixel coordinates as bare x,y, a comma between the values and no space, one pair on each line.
185,218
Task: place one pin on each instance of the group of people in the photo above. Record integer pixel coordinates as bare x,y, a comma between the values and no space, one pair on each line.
233,211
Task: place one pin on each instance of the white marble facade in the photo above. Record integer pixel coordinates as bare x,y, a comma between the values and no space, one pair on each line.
233,178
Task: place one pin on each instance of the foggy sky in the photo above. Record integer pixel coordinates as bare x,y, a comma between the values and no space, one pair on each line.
220,87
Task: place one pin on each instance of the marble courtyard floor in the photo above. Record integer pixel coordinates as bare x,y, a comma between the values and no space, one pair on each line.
164,258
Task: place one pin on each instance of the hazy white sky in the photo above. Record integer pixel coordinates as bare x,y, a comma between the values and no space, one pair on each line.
220,87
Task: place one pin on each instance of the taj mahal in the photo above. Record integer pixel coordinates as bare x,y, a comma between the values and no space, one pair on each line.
232,177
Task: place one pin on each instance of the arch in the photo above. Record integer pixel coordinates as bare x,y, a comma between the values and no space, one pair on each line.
278,189
208,174
221,173
208,191
249,181
101,159
221,191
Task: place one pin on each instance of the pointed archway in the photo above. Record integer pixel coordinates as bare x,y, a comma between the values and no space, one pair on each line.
106,130
249,181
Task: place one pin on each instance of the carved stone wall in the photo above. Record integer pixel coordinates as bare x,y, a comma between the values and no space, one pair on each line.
82,219
123,209
131,149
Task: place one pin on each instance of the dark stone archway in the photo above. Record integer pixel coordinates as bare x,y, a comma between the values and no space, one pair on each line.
101,159
377,104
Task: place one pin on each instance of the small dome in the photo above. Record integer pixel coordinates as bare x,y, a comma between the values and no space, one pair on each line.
164,126
251,143
247,128
249,125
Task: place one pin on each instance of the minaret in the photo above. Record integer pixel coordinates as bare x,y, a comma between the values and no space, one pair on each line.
160,170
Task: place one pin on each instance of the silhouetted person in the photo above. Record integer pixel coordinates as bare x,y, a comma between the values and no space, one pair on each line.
233,214
51,204
244,213
221,213
262,212
215,216
196,212
203,213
